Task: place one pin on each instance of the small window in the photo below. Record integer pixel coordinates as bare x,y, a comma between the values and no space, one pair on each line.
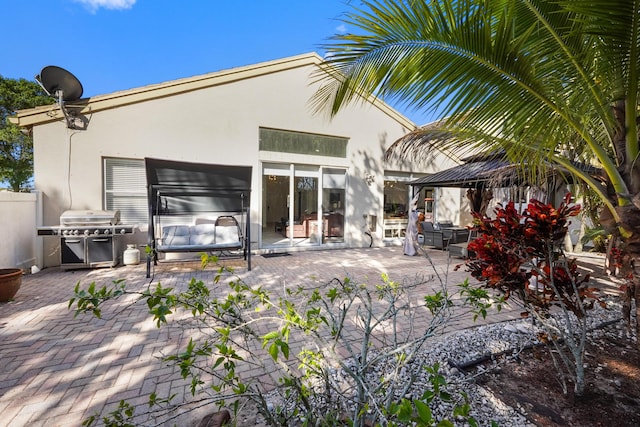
125,189
282,141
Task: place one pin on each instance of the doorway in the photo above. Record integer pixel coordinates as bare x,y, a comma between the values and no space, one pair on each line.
290,205
302,205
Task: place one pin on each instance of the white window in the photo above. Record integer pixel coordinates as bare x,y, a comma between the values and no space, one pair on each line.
125,189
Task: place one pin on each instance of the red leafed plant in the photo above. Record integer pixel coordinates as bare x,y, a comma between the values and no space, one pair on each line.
514,253
521,256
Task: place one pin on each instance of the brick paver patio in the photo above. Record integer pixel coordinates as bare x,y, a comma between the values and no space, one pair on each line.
56,370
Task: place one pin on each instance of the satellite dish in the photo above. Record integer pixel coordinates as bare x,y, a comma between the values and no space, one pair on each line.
59,82
64,86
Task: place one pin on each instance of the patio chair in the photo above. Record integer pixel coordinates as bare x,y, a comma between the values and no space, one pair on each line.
427,230
460,250
441,239
438,239
458,235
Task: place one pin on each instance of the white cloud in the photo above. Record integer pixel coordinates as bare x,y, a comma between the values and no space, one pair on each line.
94,5
341,29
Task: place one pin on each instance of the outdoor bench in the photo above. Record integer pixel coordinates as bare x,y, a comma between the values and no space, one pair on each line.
223,235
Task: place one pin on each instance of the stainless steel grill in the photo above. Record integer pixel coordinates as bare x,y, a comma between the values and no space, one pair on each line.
89,238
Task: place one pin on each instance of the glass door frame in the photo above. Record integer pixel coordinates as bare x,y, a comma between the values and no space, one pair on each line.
306,178
323,225
296,231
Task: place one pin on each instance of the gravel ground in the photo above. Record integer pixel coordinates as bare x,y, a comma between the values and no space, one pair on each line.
464,355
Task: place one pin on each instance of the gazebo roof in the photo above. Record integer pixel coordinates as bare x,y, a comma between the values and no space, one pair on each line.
468,175
495,170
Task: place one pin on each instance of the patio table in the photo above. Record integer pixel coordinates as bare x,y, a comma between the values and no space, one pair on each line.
456,234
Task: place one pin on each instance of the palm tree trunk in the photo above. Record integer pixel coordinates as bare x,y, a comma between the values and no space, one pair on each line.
630,221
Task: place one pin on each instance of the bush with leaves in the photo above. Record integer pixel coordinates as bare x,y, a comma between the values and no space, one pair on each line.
325,346
520,255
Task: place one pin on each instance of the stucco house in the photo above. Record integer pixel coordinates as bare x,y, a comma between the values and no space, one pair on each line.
317,182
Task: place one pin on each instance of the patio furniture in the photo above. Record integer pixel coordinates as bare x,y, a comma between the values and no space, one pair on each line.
225,234
457,234
332,226
440,225
460,250
298,230
279,226
178,190
438,239
453,233
427,229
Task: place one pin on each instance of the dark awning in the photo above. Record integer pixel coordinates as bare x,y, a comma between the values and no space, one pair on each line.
469,175
182,188
482,171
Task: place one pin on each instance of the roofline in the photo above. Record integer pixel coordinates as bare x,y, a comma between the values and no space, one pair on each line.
50,113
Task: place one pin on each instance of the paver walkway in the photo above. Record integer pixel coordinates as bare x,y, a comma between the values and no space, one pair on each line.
56,370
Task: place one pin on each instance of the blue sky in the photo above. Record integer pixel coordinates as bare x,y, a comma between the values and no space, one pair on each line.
113,45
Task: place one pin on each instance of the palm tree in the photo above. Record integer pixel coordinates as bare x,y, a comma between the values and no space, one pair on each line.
540,80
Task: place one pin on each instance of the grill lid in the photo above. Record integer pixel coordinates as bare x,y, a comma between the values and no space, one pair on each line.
89,217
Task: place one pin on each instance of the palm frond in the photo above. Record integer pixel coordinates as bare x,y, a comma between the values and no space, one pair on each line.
530,77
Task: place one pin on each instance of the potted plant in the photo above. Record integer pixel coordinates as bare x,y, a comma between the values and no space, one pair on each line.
10,281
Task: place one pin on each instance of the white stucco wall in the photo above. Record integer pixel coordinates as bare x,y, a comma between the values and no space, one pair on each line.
451,206
220,125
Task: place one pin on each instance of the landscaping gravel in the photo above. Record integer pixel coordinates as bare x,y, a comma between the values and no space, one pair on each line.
464,355
478,349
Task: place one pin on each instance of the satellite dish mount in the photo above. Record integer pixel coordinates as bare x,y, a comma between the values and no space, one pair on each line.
62,85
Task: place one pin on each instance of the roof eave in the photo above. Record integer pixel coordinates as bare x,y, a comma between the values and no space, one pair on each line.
42,115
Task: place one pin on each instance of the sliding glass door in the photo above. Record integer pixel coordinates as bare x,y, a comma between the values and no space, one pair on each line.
305,205
275,204
290,205
302,205
333,204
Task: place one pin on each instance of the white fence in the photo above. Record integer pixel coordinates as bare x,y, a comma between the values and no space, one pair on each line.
20,214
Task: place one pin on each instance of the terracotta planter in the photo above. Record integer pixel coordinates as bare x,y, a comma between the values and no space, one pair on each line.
10,281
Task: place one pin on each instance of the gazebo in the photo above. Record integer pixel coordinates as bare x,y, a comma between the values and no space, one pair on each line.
481,173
